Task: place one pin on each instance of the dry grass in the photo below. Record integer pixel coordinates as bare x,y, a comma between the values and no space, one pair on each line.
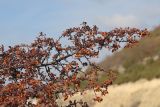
142,93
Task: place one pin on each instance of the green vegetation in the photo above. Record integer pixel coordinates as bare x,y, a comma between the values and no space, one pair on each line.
149,71
140,61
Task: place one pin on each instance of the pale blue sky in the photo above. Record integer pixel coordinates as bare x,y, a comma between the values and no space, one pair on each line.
22,20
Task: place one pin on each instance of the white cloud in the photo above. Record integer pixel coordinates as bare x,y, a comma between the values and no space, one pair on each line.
119,21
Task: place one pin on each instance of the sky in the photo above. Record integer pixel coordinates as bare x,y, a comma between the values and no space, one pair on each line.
22,20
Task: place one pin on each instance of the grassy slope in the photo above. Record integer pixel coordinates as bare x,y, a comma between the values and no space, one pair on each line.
131,59
142,93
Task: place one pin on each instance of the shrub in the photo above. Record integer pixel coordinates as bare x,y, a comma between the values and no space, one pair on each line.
45,68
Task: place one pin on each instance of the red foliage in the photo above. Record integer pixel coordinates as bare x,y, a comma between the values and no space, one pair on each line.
45,68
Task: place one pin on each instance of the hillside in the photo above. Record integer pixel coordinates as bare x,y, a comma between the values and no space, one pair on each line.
137,94
140,61
138,76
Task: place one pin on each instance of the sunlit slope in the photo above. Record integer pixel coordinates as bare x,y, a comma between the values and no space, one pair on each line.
142,93
139,94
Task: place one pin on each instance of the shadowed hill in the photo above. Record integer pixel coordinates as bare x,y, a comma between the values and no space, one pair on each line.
140,61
